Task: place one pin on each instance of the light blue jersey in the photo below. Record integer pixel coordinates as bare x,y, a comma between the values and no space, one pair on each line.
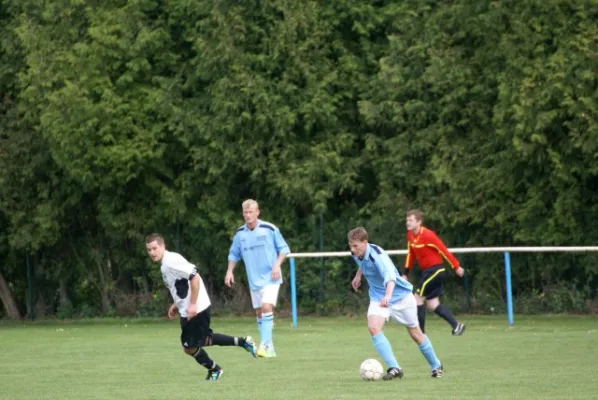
259,248
378,269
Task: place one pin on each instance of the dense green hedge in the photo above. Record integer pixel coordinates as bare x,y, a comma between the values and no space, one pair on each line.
118,118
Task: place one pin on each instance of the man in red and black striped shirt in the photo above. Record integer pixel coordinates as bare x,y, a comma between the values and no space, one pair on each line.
424,246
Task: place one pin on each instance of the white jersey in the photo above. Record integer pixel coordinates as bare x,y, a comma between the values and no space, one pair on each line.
176,272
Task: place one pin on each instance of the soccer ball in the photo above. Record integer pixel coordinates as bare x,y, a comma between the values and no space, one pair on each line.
371,370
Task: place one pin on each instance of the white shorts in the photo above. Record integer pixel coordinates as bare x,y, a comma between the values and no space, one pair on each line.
404,311
267,294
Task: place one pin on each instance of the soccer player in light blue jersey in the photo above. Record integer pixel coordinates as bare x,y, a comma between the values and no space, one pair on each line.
390,297
263,249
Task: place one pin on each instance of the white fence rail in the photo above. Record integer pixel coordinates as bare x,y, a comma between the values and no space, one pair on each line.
507,260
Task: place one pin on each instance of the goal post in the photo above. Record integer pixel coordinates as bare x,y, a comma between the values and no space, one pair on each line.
505,250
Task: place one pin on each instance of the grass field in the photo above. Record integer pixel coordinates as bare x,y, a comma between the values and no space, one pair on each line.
548,357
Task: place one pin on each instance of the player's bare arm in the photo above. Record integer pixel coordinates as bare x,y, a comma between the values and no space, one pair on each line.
356,282
229,279
194,283
172,310
390,286
276,267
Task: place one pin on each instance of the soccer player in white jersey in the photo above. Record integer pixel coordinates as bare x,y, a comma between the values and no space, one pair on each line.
390,297
193,304
263,249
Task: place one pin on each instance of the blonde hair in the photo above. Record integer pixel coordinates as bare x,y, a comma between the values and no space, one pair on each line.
250,203
359,234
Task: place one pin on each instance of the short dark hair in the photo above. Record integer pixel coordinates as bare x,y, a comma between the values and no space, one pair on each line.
358,233
417,214
154,237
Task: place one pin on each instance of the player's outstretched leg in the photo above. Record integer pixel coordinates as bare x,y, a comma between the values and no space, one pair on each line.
249,345
425,346
459,329
383,347
421,316
218,339
443,312
421,311
202,358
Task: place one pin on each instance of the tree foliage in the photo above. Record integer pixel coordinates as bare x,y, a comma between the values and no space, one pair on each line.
122,118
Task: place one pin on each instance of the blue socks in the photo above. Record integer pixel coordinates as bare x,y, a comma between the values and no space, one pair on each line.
428,352
383,348
259,325
266,327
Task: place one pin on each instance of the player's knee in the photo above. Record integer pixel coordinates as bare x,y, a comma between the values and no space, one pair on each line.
190,350
417,335
432,304
267,308
374,330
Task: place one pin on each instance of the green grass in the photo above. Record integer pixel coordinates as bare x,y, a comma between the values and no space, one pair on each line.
548,357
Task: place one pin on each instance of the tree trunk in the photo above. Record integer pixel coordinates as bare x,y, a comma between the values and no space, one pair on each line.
40,305
105,300
144,283
65,302
104,290
8,300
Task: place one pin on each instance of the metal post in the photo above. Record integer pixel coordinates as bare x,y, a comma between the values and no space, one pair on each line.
509,289
467,294
465,277
293,293
321,259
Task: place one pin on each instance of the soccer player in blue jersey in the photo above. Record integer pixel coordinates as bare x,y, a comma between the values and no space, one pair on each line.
390,297
263,249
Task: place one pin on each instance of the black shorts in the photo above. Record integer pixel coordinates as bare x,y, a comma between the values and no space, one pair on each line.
431,282
196,330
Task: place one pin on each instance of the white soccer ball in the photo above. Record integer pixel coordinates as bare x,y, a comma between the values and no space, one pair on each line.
371,370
